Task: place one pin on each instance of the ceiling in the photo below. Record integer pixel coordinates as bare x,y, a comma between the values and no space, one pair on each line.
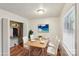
27,10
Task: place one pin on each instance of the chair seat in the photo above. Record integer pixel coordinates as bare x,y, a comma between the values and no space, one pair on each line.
51,45
26,46
51,51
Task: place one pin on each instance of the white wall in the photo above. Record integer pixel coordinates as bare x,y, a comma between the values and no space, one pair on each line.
14,17
7,17
54,27
77,30
0,39
64,12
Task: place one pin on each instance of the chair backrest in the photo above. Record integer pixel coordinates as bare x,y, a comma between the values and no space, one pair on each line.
55,42
25,39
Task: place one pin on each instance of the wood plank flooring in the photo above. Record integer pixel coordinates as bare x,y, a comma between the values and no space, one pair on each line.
38,51
19,50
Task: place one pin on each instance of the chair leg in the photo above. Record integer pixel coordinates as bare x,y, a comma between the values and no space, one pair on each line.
29,52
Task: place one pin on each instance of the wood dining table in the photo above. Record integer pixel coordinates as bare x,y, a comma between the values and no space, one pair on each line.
38,47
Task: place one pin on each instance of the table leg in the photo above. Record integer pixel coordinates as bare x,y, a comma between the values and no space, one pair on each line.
42,51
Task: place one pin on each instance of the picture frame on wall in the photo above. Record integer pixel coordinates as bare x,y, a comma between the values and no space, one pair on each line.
43,28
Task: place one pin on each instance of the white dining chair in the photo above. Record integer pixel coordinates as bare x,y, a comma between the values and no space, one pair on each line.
53,47
25,40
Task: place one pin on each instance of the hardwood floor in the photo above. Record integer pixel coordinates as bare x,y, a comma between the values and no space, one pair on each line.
38,51
19,50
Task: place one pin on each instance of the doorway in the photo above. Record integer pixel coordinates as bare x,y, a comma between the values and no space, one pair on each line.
16,33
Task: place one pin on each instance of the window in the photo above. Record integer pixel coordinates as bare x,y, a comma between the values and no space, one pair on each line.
69,31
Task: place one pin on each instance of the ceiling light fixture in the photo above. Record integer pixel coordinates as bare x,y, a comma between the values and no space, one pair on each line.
40,11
